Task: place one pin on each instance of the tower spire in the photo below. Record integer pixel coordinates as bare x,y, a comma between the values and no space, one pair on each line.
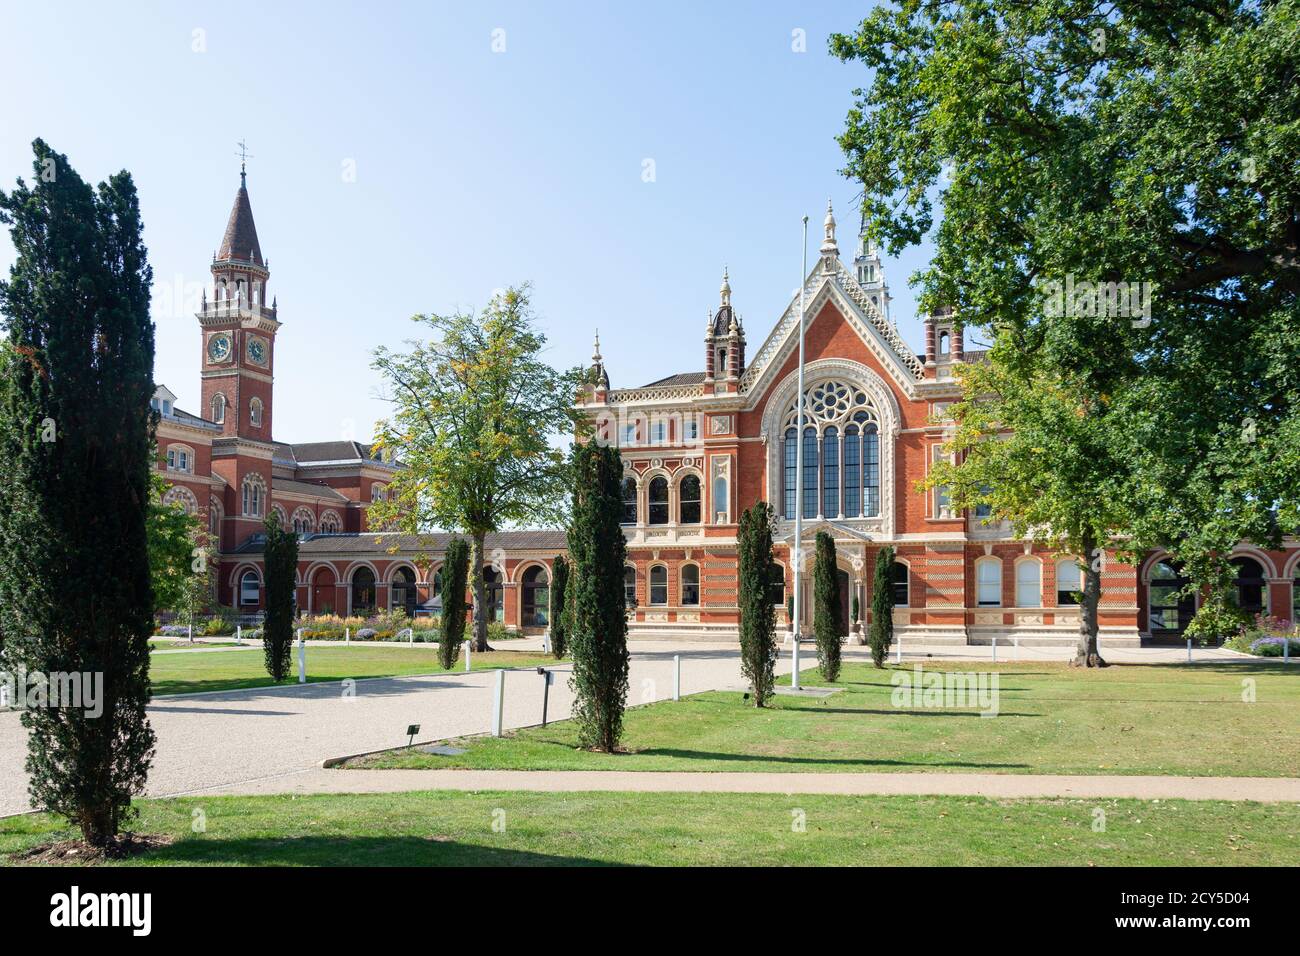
829,246
726,287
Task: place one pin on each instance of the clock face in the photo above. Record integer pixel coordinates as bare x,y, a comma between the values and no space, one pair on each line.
219,348
257,351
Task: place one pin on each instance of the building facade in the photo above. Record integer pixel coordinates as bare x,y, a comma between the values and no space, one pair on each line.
699,447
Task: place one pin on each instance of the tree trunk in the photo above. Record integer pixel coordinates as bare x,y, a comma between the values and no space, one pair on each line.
1086,652
480,594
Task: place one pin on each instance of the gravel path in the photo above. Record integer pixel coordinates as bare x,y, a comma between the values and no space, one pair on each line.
1262,789
227,737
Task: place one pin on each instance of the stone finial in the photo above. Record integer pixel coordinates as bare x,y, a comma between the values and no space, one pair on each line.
726,287
829,246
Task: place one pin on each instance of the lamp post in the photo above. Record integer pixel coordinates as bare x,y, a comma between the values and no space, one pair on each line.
797,551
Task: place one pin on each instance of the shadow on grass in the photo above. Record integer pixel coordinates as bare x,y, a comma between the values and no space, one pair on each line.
433,850
835,761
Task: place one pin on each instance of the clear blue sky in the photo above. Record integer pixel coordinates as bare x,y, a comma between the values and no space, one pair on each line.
474,169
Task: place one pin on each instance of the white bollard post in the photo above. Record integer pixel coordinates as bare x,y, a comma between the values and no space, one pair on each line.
498,702
302,659
546,641
1189,650
190,626
677,677
995,648
239,633
1286,650
468,645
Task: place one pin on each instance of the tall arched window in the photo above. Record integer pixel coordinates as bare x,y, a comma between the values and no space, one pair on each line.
688,500
255,412
537,601
496,610
219,408
659,584
1170,608
1029,583
363,590
1069,583
629,586
721,499
254,496
629,501
249,588
988,582
840,451
789,453
810,473
402,594
831,472
659,500
690,584
1252,596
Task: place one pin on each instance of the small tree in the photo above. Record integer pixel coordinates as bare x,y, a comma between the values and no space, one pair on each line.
280,559
757,612
172,532
475,412
881,634
599,636
199,582
559,596
828,623
451,629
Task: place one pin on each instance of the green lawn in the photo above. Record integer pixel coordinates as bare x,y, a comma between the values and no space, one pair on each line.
1139,719
244,667
451,828
183,644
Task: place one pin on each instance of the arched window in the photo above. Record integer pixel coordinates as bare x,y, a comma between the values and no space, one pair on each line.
402,595
537,600
182,498
1069,583
944,343
988,582
659,584
214,516
255,412
1251,589
1170,610
280,517
496,610
789,453
688,500
810,473
363,590
852,471
721,500
690,584
180,458
219,408
330,523
831,472
659,500
870,471
629,586
249,588
254,496
377,492
898,575
629,501
1029,583
303,521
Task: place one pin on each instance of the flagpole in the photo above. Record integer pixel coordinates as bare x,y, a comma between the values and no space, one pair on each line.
797,550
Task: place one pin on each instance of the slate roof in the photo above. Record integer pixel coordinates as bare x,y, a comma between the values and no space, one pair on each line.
186,418
381,543
681,378
291,487
306,453
240,240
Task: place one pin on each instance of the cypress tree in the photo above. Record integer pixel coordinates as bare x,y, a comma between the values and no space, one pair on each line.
757,612
598,639
76,439
280,560
559,597
882,607
455,575
828,622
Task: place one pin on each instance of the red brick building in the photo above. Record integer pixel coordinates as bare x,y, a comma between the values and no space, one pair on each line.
699,447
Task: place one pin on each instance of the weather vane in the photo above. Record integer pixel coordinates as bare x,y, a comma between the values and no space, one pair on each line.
243,155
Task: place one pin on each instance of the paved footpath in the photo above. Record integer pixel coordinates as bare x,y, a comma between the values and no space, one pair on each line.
1262,789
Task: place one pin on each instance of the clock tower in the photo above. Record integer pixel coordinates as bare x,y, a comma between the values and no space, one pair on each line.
238,329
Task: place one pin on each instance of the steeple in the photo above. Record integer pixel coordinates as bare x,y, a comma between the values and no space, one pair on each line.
870,271
597,375
724,339
239,270
239,243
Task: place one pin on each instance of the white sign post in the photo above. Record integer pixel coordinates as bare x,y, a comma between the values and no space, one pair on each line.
498,702
302,658
677,677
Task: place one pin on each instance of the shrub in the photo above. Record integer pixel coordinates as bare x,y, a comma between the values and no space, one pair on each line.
881,634
757,613
451,628
827,623
559,621
366,634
